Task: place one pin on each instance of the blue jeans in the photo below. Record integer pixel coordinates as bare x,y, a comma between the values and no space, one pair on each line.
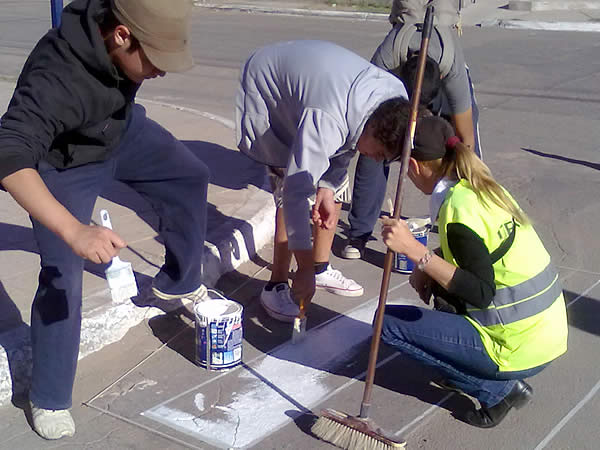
370,183
451,345
165,172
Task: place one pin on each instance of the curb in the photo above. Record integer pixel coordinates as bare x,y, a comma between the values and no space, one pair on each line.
294,11
110,322
515,24
551,5
515,5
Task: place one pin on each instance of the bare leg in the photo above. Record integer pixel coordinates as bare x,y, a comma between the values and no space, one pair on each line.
323,239
281,255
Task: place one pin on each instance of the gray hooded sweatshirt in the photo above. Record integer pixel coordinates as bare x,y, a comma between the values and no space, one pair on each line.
302,105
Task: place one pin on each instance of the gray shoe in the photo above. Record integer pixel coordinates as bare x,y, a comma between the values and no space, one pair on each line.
278,303
52,424
200,294
354,249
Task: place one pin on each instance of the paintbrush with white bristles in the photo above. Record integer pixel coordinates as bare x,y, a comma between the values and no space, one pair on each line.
119,274
299,329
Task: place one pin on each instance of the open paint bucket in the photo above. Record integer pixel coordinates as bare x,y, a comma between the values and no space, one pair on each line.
420,230
219,333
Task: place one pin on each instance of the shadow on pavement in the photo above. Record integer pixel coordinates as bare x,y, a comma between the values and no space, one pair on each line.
589,164
15,341
407,377
220,234
229,168
584,313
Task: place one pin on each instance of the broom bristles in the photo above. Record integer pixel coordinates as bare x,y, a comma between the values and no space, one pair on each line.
352,433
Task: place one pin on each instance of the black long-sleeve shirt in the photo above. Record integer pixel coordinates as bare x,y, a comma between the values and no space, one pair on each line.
473,281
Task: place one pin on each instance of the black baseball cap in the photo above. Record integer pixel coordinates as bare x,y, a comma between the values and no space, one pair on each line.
433,136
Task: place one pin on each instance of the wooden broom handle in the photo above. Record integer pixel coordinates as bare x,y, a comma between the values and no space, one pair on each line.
389,256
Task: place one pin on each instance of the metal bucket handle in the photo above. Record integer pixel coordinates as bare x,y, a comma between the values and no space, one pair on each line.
208,332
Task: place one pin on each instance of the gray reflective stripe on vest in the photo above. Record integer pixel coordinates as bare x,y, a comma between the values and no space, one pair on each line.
519,302
406,33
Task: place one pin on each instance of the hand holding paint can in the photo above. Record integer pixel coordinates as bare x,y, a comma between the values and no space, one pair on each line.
419,227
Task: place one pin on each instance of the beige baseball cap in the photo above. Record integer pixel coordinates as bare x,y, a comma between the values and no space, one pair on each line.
162,28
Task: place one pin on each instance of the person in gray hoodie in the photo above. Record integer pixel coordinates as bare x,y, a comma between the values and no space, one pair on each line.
303,109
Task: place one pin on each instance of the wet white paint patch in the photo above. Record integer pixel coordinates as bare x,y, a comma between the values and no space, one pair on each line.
199,402
274,390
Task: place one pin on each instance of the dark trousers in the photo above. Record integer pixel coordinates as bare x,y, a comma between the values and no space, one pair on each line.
370,183
451,345
165,172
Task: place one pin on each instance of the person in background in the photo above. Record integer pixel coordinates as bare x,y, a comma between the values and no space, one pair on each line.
455,100
303,109
71,128
492,268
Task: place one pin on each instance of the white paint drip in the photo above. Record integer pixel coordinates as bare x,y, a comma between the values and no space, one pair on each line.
277,388
199,402
140,386
258,323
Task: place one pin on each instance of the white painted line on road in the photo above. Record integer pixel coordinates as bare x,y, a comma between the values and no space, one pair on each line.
575,270
568,417
222,120
252,361
274,389
143,427
435,407
427,412
583,294
585,399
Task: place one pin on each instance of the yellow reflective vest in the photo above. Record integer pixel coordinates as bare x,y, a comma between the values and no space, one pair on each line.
526,323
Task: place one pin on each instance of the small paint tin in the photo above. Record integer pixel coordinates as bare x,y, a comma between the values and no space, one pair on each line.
219,333
420,230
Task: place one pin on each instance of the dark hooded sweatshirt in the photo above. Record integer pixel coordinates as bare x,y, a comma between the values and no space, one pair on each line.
71,105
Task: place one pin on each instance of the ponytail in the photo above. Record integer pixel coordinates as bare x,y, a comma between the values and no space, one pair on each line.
461,162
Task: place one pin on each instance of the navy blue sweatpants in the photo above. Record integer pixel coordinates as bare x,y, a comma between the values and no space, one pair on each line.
166,173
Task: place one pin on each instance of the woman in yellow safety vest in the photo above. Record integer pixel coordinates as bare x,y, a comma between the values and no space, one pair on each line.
500,314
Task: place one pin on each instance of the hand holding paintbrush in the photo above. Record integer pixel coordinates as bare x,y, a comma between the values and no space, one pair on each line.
303,289
299,324
119,274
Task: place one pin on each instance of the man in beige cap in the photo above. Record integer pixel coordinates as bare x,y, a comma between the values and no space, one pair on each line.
71,128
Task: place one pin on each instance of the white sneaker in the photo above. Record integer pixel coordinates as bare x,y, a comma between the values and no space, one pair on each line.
278,303
333,281
198,295
52,424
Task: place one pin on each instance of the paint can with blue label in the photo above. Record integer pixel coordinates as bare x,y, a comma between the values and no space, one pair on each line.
420,230
219,333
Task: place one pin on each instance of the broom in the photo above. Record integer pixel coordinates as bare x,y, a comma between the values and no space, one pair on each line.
361,433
